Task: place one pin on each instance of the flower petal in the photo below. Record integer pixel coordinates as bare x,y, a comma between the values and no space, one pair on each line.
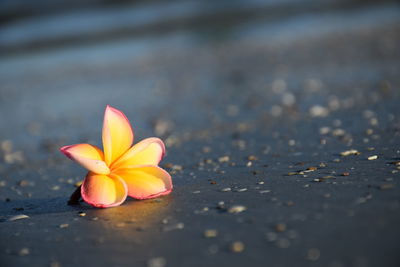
90,157
146,181
103,191
147,152
117,134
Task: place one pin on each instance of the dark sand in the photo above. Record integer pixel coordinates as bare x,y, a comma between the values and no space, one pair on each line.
254,113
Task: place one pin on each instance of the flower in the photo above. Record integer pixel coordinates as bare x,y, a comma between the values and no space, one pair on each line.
122,169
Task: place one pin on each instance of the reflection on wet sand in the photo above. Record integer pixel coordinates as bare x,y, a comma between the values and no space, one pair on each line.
133,227
133,216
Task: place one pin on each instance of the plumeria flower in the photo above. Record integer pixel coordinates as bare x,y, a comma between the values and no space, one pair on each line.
122,169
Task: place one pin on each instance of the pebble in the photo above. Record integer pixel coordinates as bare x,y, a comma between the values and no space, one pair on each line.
280,227
176,167
64,225
264,191
350,152
24,252
386,186
157,262
82,214
237,247
313,254
374,157
226,189
241,190
237,209
271,236
23,183
55,264
209,233
283,243
338,132
223,159
324,130
18,217
252,158
318,111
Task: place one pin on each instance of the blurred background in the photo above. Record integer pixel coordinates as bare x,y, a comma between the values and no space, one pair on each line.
291,83
192,63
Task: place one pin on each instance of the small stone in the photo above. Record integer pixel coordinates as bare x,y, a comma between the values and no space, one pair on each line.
349,152
345,174
237,247
241,190
196,192
338,132
261,182
55,264
24,252
157,262
223,159
290,203
386,186
55,188
78,184
209,233
272,236
18,217
313,254
280,227
312,168
324,130
318,111
265,191
176,167
283,243
23,183
81,214
226,189
206,149
252,158
374,157
237,209
248,164
64,225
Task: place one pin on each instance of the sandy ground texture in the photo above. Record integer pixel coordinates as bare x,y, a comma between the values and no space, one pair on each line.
282,135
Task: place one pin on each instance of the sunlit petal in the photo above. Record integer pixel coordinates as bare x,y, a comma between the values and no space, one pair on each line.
146,181
103,191
147,152
90,157
117,134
